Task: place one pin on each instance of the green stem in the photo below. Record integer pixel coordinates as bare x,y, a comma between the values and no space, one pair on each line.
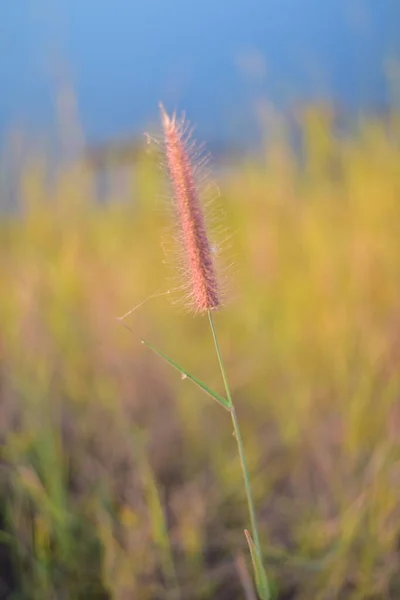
242,457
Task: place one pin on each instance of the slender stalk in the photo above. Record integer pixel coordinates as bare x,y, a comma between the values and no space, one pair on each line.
242,457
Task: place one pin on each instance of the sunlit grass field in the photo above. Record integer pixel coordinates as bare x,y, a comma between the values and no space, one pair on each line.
120,480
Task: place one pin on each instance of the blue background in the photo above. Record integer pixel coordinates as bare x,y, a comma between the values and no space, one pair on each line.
214,58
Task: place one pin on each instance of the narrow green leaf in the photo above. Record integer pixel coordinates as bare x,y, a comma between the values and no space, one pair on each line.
220,399
259,572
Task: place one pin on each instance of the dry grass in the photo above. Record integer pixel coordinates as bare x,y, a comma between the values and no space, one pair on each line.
119,479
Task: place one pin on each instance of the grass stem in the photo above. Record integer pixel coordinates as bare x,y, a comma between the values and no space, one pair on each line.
239,441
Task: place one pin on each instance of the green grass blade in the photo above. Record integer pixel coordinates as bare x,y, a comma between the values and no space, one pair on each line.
220,399
160,529
259,572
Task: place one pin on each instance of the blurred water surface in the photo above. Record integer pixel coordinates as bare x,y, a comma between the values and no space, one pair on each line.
217,60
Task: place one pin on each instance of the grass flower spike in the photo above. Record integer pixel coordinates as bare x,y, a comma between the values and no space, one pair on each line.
202,284
204,293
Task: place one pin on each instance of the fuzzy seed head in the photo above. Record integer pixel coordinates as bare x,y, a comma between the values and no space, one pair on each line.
202,280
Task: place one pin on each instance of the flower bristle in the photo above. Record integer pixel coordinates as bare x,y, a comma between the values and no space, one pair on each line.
200,273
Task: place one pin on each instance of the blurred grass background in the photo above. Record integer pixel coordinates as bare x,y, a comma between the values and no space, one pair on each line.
118,479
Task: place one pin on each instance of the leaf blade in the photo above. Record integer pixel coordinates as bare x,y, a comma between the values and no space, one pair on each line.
220,399
259,571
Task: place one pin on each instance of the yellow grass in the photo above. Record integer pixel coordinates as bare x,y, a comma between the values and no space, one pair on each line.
120,480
